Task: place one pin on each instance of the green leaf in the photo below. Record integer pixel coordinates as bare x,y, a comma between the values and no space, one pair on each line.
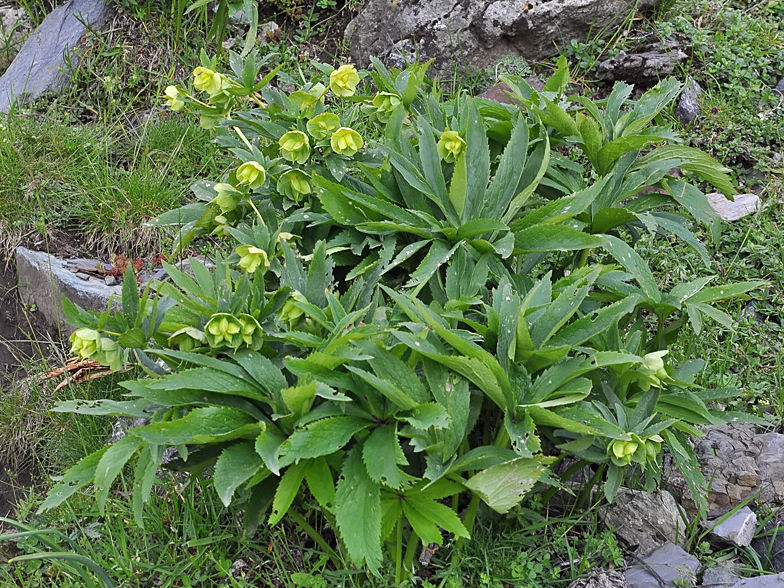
322,437
438,513
503,189
613,483
634,264
388,389
593,324
425,529
202,425
130,294
560,311
381,453
522,433
287,490
209,380
425,416
719,293
110,466
299,399
236,464
477,161
547,238
358,494
133,339
391,368
438,255
483,457
147,464
267,446
688,466
74,479
105,407
321,484
505,485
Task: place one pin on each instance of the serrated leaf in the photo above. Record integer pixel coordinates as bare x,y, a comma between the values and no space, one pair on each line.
110,466
202,378
380,454
440,514
74,479
357,493
505,485
237,464
438,255
321,484
634,264
287,490
202,425
427,415
544,238
322,437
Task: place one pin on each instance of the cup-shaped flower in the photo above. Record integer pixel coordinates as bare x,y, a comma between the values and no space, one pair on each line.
343,81
653,446
173,98
655,364
450,146
84,342
251,332
223,330
385,104
295,147
252,173
322,126
228,197
290,312
346,141
251,258
188,338
110,353
303,101
621,452
221,222
209,81
294,184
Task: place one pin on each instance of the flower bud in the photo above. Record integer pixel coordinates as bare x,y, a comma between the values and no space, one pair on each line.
655,364
385,104
291,313
294,146
187,339
173,98
343,81
450,146
346,141
323,125
251,258
252,173
303,101
251,332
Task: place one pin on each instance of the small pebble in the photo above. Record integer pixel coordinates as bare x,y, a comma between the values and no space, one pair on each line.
82,276
110,280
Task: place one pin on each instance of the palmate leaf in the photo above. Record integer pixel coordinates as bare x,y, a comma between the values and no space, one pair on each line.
426,516
634,264
503,486
358,513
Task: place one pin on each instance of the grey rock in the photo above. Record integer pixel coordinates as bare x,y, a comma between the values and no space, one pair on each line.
37,67
643,68
670,563
646,520
15,27
719,577
688,108
267,32
779,89
110,281
770,581
737,463
737,529
744,205
82,276
770,544
44,279
612,579
469,35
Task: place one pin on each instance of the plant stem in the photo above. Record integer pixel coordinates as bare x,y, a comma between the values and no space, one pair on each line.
313,534
586,493
413,542
399,553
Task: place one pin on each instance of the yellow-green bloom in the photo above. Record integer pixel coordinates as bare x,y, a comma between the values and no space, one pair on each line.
251,332
252,173
322,126
294,146
188,338
228,197
294,184
653,447
385,104
84,342
173,98
220,226
251,258
208,121
346,141
621,452
304,101
290,312
450,146
655,363
110,353
223,330
208,81
343,81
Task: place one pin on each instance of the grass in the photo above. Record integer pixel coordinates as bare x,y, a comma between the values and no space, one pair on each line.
106,179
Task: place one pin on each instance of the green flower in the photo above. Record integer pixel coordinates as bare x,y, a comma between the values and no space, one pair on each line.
294,184
294,146
84,343
208,121
223,330
385,104
655,364
450,146
228,197
652,447
304,101
187,339
343,81
346,141
173,98
621,452
109,354
322,126
251,332
291,313
251,258
220,226
209,81
252,173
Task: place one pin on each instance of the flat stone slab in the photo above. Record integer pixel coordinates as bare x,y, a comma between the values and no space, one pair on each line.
37,67
737,529
44,279
771,581
672,564
645,520
744,205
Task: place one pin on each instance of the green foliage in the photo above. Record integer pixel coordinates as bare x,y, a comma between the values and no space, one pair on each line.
422,331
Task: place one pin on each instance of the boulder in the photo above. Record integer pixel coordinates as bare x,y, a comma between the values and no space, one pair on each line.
770,581
644,67
464,35
669,566
38,66
646,520
688,108
770,544
738,528
719,577
743,205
